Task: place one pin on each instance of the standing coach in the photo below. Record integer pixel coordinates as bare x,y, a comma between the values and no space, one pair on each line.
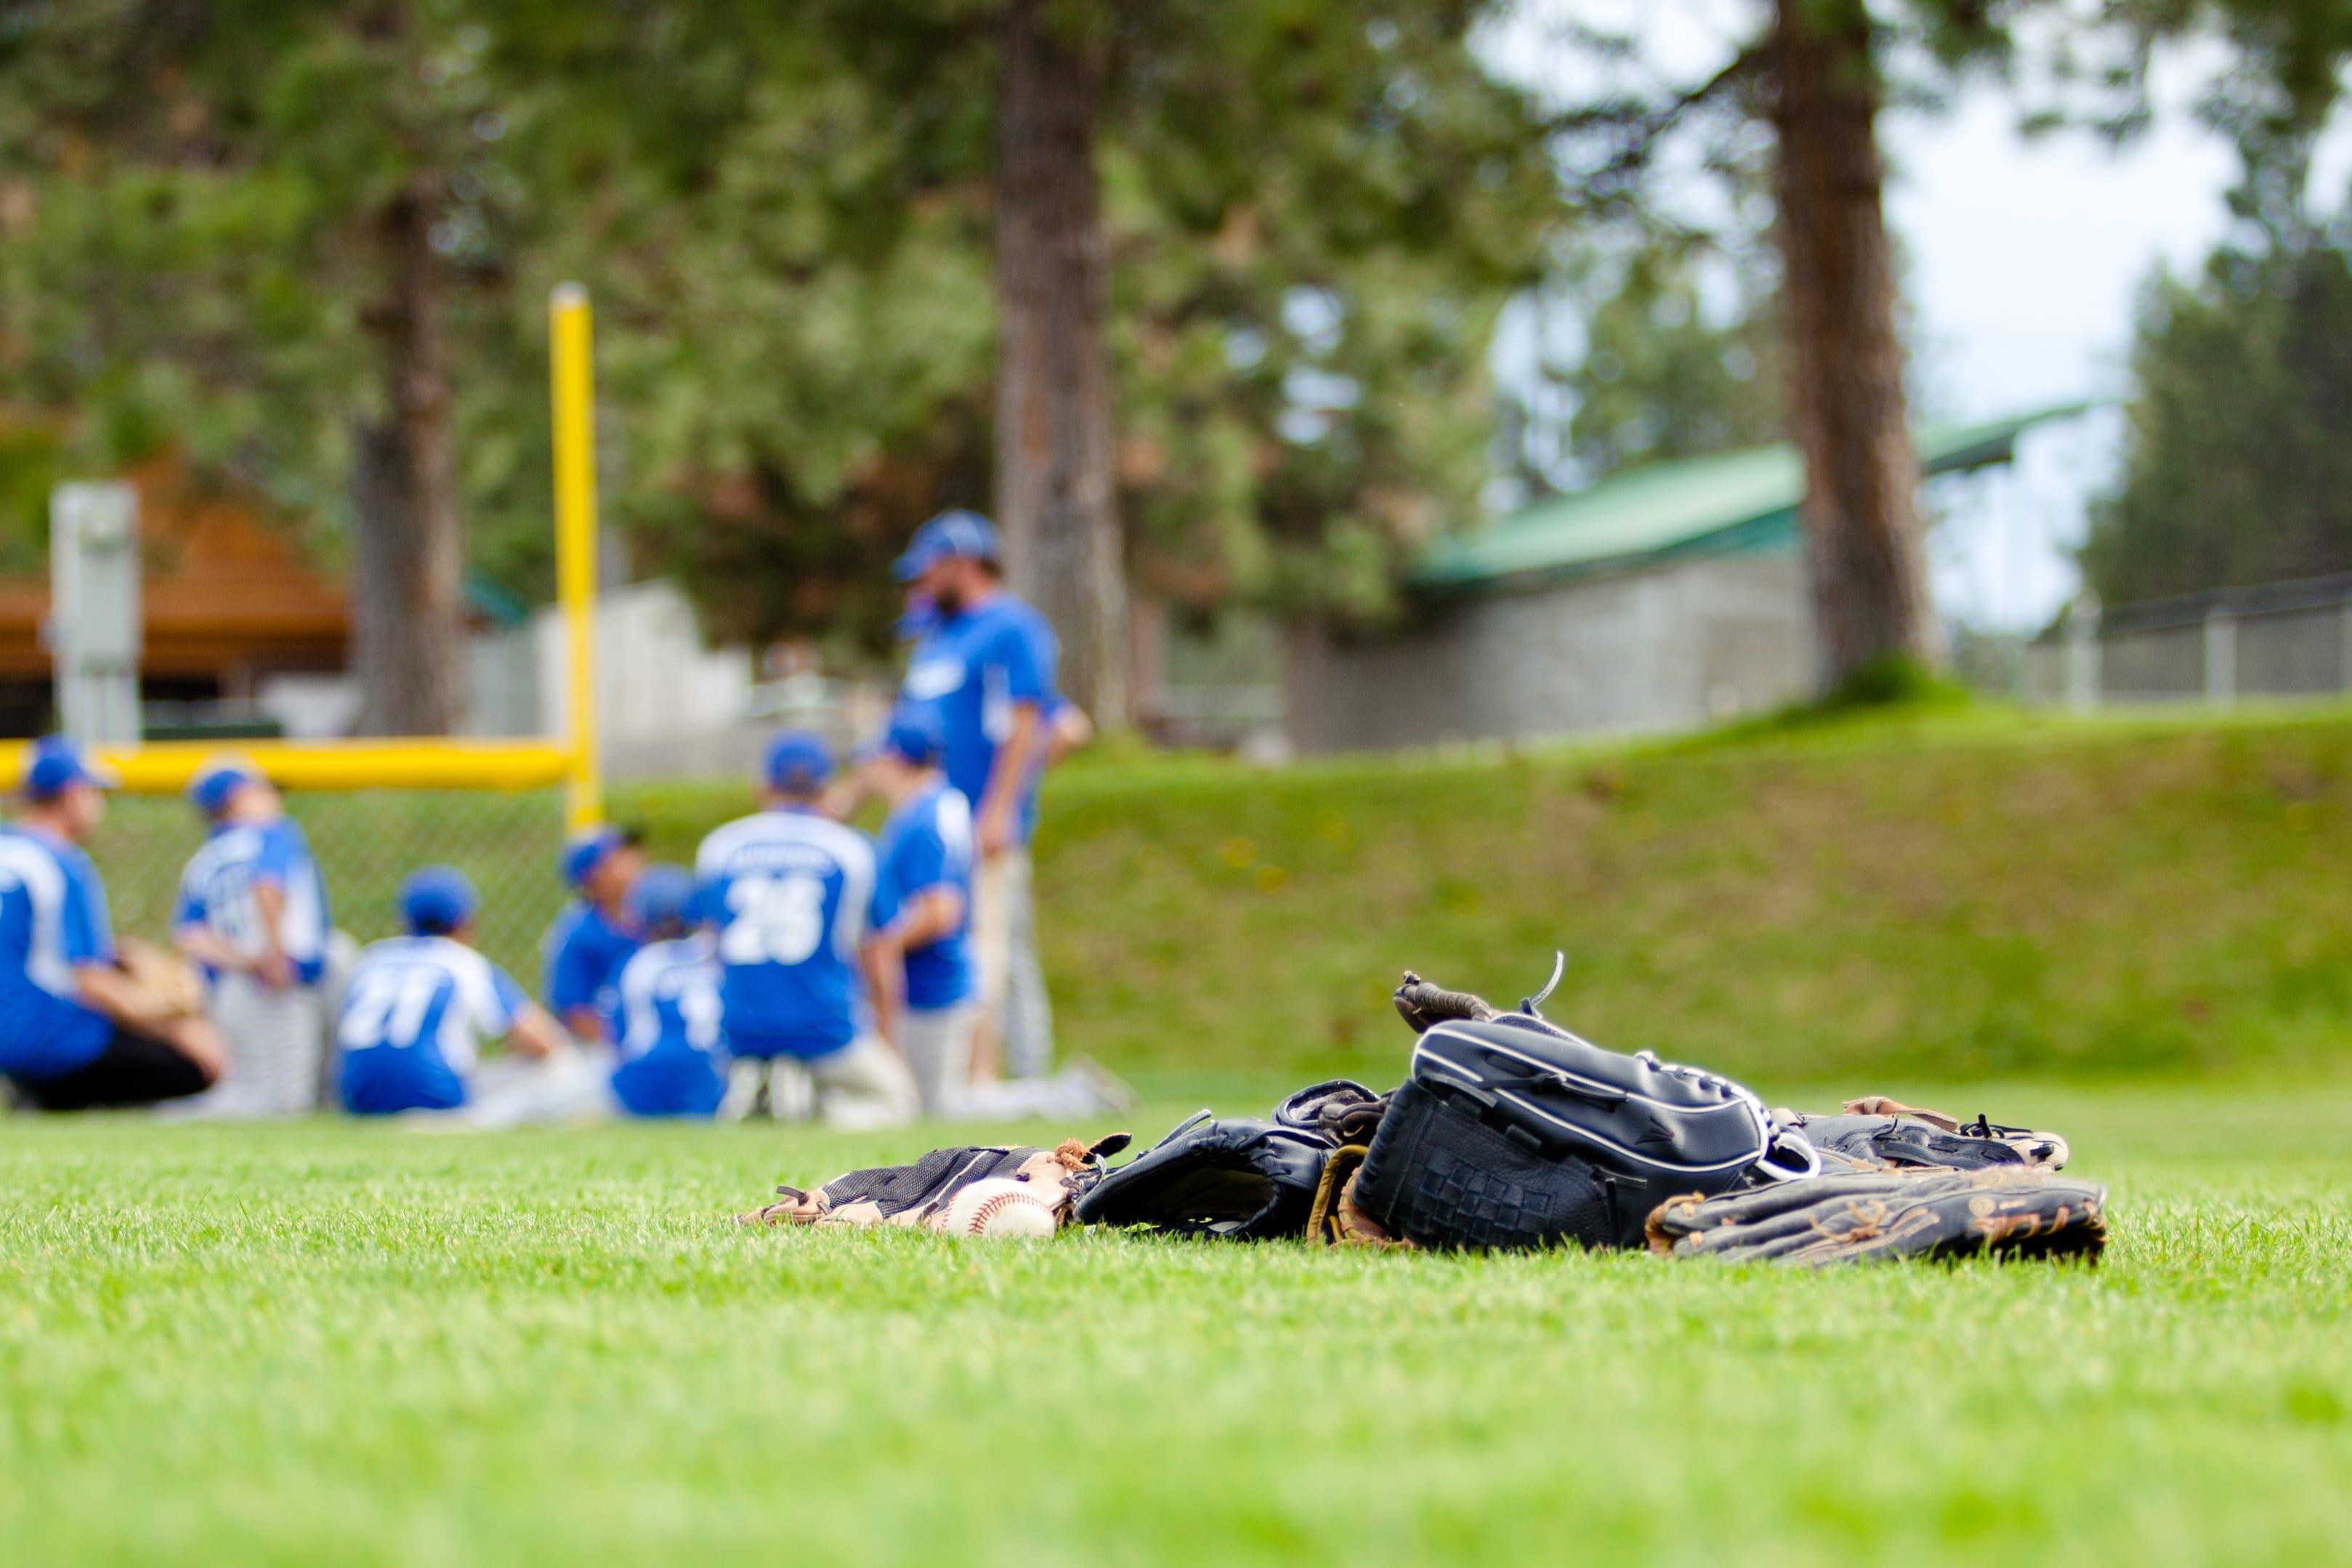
985,667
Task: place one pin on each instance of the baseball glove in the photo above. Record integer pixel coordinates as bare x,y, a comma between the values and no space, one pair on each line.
1877,1130
1236,1178
2001,1211
916,1196
168,984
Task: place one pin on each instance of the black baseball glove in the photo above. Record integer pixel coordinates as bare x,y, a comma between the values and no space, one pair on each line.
1236,1178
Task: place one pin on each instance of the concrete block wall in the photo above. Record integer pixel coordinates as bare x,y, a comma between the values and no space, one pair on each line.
1672,647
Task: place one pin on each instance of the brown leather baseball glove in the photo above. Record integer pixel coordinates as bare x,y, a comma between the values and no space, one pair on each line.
168,984
2001,1210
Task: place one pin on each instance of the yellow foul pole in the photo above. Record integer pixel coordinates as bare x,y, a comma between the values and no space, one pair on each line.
575,540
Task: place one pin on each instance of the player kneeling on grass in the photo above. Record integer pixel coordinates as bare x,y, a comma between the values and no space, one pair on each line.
78,1031
671,1056
593,939
419,1007
788,889
252,910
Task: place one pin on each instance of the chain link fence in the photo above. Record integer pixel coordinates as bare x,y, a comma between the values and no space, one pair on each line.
2279,640
366,841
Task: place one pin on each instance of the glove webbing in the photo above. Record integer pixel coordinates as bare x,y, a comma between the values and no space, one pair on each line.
1322,1221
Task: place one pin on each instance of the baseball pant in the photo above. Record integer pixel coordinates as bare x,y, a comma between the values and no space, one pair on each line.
134,1069
937,1044
273,1039
1066,1094
1025,1021
861,1088
572,1086
1011,982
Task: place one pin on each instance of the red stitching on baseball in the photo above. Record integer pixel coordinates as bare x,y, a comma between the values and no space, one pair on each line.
988,1207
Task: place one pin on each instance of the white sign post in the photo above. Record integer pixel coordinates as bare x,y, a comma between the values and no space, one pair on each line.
94,631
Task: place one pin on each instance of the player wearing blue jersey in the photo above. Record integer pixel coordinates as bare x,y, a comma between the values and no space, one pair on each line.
419,1007
986,666
591,939
252,910
919,958
788,889
672,1051
75,1031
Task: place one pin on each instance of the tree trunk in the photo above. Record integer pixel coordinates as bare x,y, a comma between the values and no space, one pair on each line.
408,565
1862,531
1054,436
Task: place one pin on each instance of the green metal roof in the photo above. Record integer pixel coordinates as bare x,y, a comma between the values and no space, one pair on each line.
1691,506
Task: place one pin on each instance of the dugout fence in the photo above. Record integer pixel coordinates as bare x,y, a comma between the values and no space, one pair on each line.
366,840
374,812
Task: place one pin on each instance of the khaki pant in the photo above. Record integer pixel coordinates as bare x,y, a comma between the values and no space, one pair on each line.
860,1088
937,1044
1011,982
574,1085
273,1039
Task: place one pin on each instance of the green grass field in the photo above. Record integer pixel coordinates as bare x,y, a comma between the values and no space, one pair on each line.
328,1343
335,1343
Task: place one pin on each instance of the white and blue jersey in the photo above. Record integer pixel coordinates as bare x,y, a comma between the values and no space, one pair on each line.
789,890
926,844
52,917
585,953
216,891
974,671
672,1056
414,1017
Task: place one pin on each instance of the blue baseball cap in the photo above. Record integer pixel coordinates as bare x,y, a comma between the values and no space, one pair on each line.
945,537
913,735
55,765
662,896
219,778
584,852
437,899
799,762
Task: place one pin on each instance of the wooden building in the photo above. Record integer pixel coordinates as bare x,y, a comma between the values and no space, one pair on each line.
229,601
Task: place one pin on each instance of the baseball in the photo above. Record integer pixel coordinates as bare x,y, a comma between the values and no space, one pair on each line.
998,1208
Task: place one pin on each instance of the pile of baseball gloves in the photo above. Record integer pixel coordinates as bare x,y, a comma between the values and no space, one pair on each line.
1510,1132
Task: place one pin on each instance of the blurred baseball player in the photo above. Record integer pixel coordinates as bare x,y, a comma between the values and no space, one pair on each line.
918,963
672,1055
76,1031
419,1007
592,938
918,958
788,889
985,664
252,911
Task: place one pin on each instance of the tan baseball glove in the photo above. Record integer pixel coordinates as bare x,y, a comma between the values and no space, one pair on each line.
916,1196
168,985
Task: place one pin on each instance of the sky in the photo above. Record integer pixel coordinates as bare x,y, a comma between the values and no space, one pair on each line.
2026,261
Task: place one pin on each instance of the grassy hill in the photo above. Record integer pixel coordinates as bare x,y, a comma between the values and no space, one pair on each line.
1941,895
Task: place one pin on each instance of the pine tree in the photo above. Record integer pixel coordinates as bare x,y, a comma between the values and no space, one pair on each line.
285,203
1816,73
